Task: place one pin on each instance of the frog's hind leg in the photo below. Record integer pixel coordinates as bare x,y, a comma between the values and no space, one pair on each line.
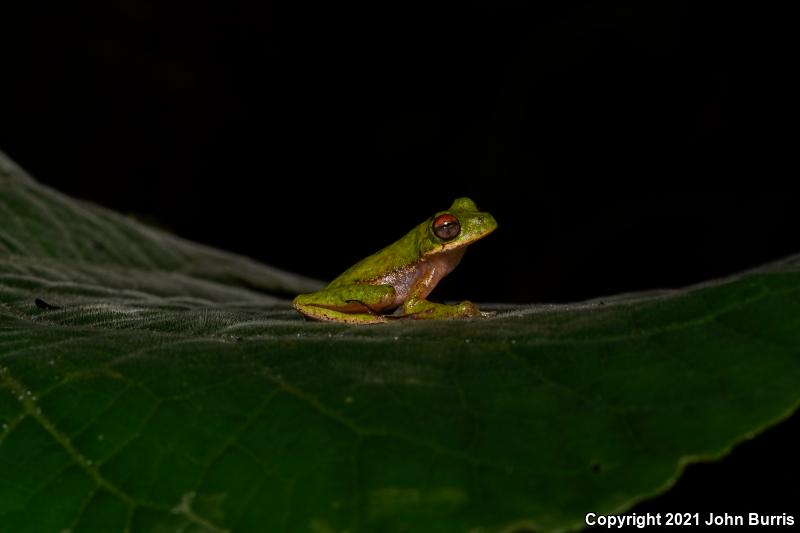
344,304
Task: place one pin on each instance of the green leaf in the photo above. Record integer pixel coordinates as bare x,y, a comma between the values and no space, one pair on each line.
152,384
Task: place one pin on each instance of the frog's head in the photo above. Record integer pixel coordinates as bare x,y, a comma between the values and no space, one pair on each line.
456,227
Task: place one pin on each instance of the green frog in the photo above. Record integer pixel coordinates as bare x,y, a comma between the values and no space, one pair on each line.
404,273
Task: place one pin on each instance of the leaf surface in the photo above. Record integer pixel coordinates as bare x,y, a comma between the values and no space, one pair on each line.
152,384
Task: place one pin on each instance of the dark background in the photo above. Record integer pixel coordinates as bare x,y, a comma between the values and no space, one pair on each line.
621,145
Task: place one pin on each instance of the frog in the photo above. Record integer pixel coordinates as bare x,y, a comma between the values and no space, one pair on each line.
403,274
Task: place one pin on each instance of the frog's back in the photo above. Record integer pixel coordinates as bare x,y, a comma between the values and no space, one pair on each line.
399,255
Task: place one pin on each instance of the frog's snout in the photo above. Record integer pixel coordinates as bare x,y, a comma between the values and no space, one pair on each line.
487,220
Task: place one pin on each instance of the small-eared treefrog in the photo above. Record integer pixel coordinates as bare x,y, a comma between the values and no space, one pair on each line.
403,273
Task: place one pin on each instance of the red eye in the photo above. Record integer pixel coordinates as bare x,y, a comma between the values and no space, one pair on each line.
446,227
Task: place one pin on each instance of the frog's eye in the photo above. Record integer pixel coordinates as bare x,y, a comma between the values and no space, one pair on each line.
446,227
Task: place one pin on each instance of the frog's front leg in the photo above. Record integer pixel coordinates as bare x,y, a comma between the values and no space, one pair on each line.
356,303
421,308
417,306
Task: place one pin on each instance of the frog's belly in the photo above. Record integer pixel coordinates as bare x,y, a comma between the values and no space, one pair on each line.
402,280
421,276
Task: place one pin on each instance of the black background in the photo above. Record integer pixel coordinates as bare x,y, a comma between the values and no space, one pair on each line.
621,145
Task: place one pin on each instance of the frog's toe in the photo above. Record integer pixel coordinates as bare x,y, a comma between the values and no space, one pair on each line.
468,309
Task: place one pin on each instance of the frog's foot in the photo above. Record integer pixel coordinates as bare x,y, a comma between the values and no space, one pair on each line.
422,309
338,305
